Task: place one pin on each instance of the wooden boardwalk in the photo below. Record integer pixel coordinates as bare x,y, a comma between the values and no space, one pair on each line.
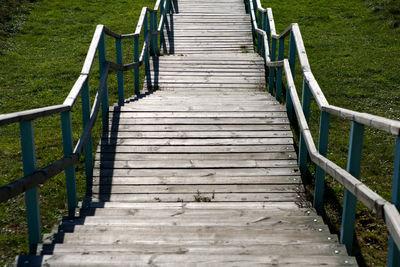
201,171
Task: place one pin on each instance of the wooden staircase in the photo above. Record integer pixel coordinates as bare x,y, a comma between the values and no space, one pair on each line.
200,171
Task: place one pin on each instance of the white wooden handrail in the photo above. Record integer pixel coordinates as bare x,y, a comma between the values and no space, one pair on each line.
363,193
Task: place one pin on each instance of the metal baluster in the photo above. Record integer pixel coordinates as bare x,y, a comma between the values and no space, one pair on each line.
102,61
306,95
272,69
120,73
320,173
349,203
31,195
68,146
281,51
394,255
137,70
88,146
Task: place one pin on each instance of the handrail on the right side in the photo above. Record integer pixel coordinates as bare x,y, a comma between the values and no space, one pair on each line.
266,40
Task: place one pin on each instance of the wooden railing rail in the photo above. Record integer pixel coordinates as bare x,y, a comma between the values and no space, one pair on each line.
150,24
266,39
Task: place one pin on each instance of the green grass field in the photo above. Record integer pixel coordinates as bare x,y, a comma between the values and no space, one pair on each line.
353,48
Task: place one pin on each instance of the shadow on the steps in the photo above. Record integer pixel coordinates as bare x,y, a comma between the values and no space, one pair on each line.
168,42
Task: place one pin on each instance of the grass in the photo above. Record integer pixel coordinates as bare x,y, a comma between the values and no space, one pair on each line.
353,49
12,18
41,60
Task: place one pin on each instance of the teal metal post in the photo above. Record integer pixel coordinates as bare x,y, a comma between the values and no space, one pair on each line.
306,95
136,58
153,37
168,6
260,46
156,47
320,173
292,53
267,28
271,84
281,51
146,52
88,146
31,195
68,146
292,62
394,255
120,73
349,202
102,61
162,27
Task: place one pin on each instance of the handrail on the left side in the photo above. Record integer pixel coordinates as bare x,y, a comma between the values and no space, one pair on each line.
151,28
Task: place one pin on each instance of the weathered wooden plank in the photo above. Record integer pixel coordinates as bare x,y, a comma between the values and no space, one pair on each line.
106,180
202,115
174,164
198,142
242,134
201,86
184,128
108,148
195,156
196,189
195,235
227,172
300,223
209,108
272,249
103,259
168,73
279,209
210,206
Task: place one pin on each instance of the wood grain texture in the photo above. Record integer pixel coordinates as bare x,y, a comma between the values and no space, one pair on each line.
202,170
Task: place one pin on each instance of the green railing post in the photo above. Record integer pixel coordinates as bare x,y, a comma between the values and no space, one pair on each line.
68,146
271,79
349,202
281,51
394,255
147,51
260,42
136,58
153,37
88,146
292,53
102,61
267,28
31,195
292,62
168,6
162,27
303,152
120,73
156,37
320,173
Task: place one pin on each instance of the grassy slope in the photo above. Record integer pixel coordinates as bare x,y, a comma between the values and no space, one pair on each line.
42,63
354,54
